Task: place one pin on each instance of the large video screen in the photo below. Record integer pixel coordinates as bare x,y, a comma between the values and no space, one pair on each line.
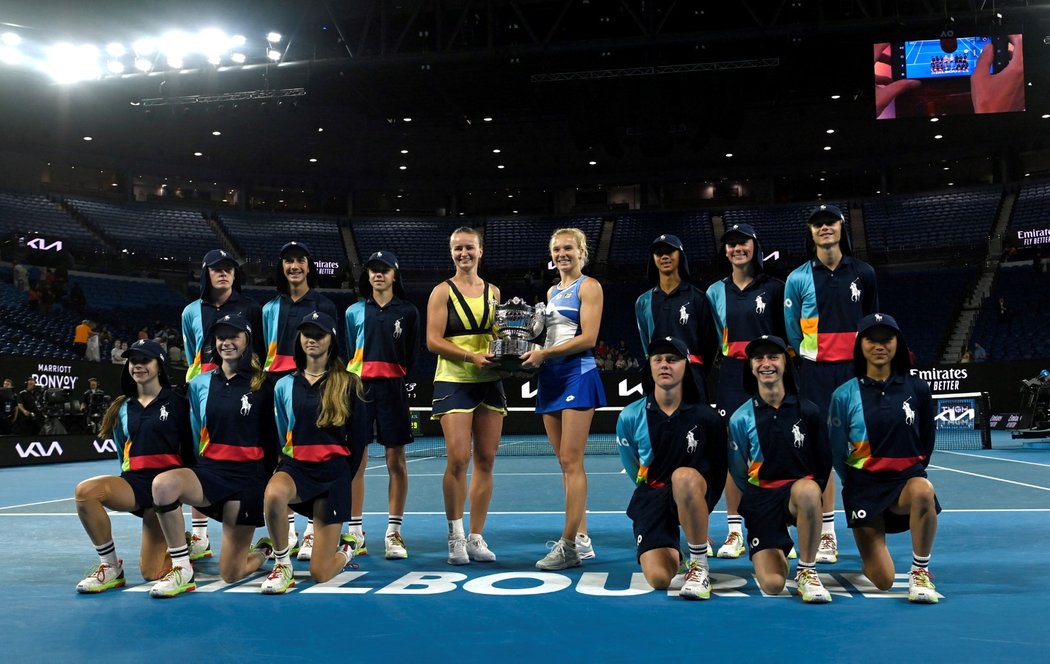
954,76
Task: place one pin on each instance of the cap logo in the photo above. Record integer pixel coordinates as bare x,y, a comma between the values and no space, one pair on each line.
765,336
379,254
878,318
735,226
226,317
222,252
314,316
663,237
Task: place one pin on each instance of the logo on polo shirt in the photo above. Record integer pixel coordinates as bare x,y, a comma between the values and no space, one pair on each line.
796,431
683,316
760,304
246,406
397,328
854,290
164,413
690,441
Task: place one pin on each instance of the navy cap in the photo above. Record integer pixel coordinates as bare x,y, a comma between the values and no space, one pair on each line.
765,340
739,229
216,256
824,211
146,348
295,245
236,321
387,258
877,320
321,320
669,240
668,345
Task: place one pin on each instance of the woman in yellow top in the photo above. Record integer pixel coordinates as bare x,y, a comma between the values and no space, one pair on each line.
468,397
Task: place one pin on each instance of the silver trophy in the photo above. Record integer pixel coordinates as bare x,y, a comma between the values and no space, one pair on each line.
516,324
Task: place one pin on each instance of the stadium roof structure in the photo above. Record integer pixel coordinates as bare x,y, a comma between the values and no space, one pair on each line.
504,93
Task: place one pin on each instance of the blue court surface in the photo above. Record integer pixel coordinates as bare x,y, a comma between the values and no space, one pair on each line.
989,562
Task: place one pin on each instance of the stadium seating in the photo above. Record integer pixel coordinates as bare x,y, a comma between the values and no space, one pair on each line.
633,233
1032,209
154,231
37,214
780,228
420,244
523,242
1023,332
260,235
952,219
926,314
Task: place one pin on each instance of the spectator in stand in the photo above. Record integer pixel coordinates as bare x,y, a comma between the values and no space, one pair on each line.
8,407
143,334
632,363
116,354
80,337
621,362
1004,311
21,277
47,297
76,299
965,358
601,350
33,302
93,352
174,355
979,353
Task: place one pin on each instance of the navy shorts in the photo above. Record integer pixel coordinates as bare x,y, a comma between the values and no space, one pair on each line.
328,479
225,481
767,515
467,397
867,502
654,515
818,380
382,414
141,482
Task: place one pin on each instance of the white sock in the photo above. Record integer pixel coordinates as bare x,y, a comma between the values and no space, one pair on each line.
107,553
355,526
455,529
393,524
309,528
200,527
828,523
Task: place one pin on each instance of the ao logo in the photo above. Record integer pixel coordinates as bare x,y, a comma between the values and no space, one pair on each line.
639,540
860,514
754,541
106,445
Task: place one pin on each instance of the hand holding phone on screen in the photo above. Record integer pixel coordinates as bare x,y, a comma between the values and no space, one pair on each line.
886,89
1001,92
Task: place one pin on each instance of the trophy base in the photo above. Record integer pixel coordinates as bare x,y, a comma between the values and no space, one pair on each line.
507,357
510,365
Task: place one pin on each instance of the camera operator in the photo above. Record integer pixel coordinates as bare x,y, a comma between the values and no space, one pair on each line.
93,405
56,406
29,412
8,407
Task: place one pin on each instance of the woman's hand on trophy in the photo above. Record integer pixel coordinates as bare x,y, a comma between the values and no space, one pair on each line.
533,359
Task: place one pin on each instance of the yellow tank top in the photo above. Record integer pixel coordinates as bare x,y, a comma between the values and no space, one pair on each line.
469,327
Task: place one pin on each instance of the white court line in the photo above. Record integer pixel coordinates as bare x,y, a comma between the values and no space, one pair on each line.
407,461
989,477
993,510
42,502
992,458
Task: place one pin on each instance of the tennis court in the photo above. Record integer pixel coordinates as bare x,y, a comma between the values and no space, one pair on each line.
988,562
